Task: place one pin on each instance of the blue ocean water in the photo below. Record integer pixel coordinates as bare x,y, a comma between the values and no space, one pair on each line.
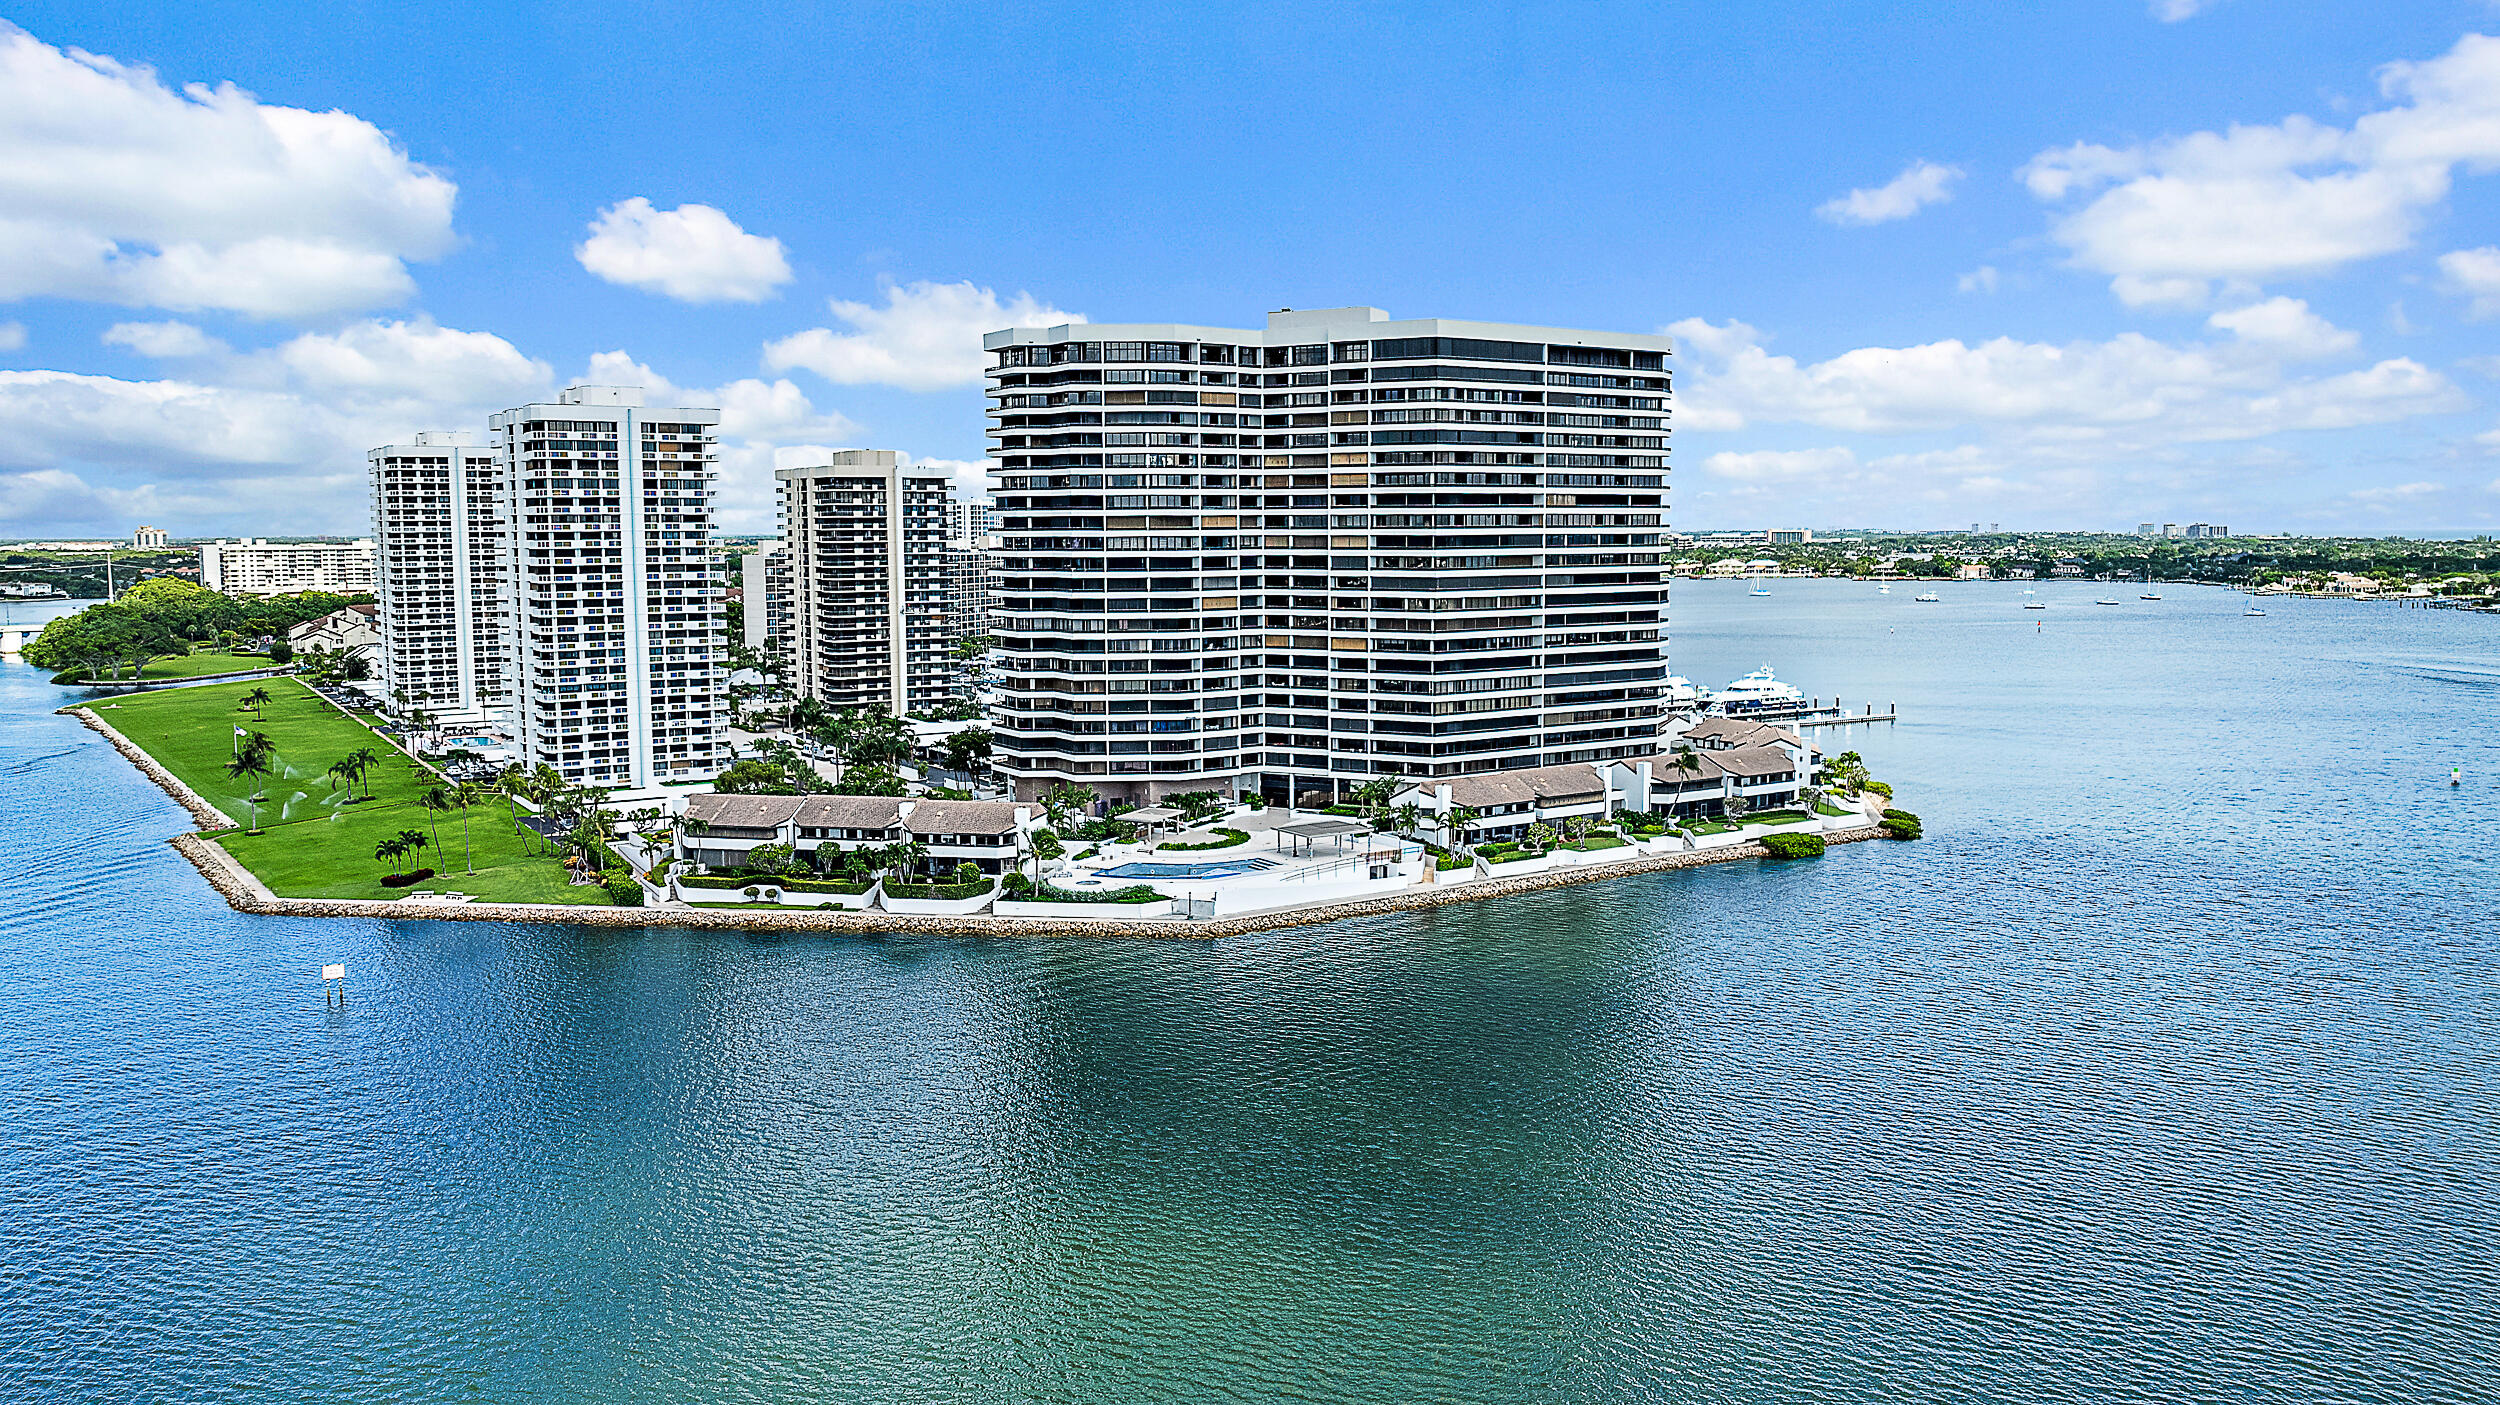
2162,1069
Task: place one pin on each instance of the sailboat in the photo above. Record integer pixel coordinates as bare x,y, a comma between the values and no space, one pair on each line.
1883,590
2149,592
2033,604
1759,590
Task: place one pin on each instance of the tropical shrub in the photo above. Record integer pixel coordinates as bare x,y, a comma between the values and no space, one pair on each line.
1900,824
776,860
1879,787
1793,846
623,891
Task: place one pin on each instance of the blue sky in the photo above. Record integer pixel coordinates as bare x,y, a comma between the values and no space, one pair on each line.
2054,265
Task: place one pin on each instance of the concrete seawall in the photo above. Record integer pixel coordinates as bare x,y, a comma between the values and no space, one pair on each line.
244,893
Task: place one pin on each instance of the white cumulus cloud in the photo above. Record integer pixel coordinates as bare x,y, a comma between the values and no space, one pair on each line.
2474,273
2173,11
12,336
116,188
2128,392
1982,279
1761,465
2285,325
926,337
693,253
1921,184
164,341
2166,218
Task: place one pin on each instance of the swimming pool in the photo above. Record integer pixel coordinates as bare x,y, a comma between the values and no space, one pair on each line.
1220,868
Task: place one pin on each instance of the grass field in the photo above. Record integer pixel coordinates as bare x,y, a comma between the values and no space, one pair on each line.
199,666
317,844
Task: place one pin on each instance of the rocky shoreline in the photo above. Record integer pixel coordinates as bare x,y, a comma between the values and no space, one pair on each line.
247,894
244,893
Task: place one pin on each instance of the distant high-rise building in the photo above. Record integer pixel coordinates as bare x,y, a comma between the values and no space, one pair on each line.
258,566
147,537
2170,529
866,546
441,574
764,589
2147,529
1303,557
971,553
616,644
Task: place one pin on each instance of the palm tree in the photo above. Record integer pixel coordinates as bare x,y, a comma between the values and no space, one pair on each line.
366,759
413,842
258,701
905,856
390,851
464,795
252,760
436,803
341,770
1463,820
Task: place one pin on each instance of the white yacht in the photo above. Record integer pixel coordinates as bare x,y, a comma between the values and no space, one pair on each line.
1929,598
1883,590
1759,691
1759,590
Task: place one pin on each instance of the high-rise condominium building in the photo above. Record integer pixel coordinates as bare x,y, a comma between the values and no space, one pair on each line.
440,573
616,616
257,566
147,537
971,555
764,594
1338,548
865,542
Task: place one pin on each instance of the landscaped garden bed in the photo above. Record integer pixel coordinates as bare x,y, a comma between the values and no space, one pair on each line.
1225,839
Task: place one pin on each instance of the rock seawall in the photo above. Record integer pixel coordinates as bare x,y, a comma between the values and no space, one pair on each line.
245,893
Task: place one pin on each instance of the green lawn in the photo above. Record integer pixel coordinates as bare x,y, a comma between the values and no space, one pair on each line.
1598,841
1710,827
1779,817
317,844
200,666
1831,810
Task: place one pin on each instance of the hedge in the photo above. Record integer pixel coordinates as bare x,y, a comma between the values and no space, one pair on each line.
1044,893
941,892
1793,846
1900,824
753,880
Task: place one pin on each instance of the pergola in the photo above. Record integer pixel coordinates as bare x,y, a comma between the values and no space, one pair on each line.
1309,832
1151,817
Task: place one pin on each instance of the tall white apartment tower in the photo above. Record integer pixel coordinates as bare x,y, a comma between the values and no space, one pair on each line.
440,543
1341,547
616,647
865,543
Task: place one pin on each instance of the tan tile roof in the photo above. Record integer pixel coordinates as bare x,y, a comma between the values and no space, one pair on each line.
879,812
1543,784
961,817
1736,731
743,811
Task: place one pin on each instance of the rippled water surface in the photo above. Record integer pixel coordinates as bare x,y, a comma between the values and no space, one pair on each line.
2164,1068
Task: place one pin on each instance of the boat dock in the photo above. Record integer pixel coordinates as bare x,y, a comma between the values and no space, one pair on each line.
1814,712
